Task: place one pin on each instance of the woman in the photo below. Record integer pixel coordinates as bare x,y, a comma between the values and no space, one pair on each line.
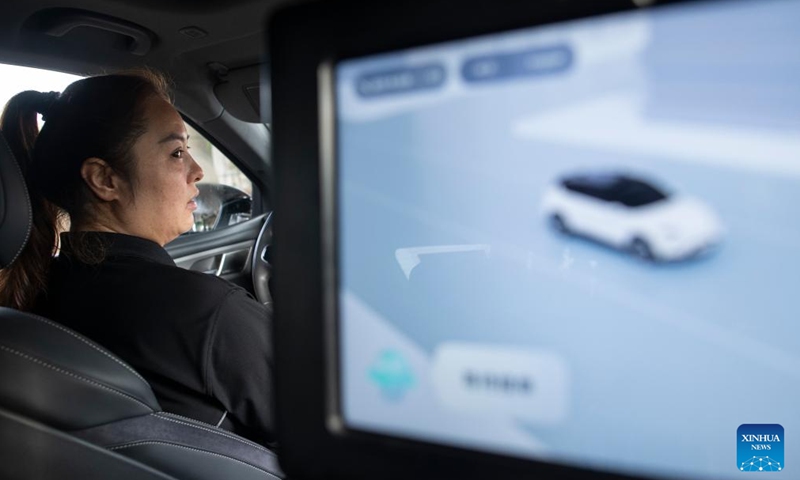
112,158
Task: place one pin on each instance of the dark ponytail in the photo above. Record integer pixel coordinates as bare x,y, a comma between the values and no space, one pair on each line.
20,282
99,117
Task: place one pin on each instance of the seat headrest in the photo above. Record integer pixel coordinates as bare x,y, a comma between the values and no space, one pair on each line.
60,378
16,216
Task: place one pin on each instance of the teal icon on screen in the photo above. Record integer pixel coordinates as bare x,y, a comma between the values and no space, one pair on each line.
392,374
759,447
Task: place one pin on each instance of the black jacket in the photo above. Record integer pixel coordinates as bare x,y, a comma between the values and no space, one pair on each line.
203,343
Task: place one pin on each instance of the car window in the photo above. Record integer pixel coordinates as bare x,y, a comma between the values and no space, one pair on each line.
633,193
225,191
588,187
18,79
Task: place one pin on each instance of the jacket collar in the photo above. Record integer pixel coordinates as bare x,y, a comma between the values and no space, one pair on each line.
118,245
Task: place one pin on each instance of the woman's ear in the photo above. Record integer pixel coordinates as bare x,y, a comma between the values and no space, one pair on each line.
102,180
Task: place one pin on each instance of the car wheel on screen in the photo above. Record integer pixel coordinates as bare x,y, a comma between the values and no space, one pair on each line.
641,249
558,223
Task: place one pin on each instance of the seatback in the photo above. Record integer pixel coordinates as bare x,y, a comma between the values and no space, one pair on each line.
56,380
61,379
53,375
59,455
16,217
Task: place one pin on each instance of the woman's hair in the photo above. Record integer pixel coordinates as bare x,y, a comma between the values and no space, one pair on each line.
100,117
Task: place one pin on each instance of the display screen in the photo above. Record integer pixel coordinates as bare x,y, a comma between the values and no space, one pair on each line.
579,242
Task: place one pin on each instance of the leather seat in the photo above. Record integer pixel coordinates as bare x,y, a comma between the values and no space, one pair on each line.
60,384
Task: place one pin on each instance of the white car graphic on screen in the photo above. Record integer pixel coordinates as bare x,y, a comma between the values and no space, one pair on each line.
631,214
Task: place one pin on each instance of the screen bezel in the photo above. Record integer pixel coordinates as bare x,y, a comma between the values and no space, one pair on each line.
305,43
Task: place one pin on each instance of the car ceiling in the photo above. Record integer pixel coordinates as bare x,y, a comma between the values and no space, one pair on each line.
233,47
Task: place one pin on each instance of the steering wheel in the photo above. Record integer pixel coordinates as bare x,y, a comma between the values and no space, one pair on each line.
262,269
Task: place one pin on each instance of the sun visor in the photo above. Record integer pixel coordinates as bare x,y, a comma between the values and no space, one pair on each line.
242,96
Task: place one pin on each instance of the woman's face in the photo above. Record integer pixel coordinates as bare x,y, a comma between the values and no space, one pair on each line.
165,177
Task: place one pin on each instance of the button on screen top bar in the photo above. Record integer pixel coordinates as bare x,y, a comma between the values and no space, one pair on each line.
400,80
527,63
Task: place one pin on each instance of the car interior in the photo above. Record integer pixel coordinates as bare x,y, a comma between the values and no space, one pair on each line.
395,289
78,426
